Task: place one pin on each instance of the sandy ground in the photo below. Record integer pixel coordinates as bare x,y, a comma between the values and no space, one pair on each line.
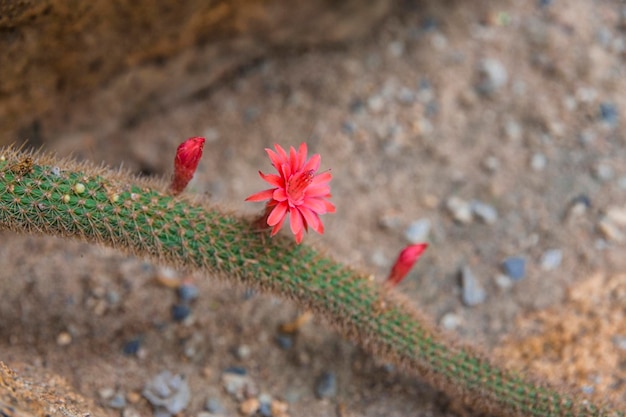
518,106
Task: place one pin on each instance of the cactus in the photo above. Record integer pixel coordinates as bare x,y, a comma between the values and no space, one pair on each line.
41,194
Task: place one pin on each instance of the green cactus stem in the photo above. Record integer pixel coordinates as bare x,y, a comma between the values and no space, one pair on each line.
41,194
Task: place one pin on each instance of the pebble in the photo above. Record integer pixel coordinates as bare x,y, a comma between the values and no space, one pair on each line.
610,230
214,406
106,393
485,212
118,402
513,130
249,406
492,76
130,412
279,408
514,267
326,385
603,172
418,231
132,346
617,215
622,182
460,210
238,385
472,292
538,162
609,113
188,292
180,312
376,103
451,321
243,352
169,394
284,341
265,405
64,339
551,259
503,281
579,205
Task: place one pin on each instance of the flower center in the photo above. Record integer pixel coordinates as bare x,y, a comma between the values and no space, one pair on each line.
298,183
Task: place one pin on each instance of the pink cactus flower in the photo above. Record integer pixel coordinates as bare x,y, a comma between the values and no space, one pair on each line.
297,191
186,161
405,262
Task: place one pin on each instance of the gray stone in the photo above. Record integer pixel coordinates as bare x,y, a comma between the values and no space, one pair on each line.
473,293
492,76
485,212
418,231
326,385
551,259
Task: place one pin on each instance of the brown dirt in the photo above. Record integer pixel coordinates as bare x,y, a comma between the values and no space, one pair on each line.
393,161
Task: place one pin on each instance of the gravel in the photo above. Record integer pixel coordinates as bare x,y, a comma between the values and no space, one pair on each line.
169,394
492,76
418,231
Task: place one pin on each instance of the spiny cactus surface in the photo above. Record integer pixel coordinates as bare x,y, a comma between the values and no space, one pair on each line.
45,195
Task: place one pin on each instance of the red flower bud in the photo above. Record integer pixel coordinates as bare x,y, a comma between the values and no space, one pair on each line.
188,155
405,262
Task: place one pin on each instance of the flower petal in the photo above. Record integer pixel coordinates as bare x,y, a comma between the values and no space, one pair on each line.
322,178
293,159
302,154
315,204
262,195
273,179
313,163
277,214
312,219
299,236
278,225
279,194
317,191
295,220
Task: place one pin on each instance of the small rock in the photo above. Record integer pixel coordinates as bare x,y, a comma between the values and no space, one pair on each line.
239,386
188,292
492,76
484,212
514,267
265,405
551,259
249,406
64,339
168,393
503,281
418,231
472,292
491,163
376,103
622,182
610,230
214,406
579,206
460,210
326,385
609,113
451,321
617,215
130,412
180,312
284,341
243,352
538,162
513,130
603,172
118,402
106,393
132,346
